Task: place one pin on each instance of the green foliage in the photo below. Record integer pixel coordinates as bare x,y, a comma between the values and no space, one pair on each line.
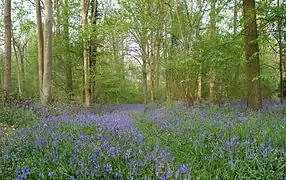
15,117
218,143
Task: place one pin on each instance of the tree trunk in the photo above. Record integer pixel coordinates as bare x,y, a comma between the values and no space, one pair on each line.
68,63
212,41
48,34
19,79
198,38
280,57
235,17
93,41
86,54
152,65
144,74
199,86
40,47
123,52
7,61
252,55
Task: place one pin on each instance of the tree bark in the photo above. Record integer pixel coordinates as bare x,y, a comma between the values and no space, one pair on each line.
48,34
7,51
199,86
86,54
144,74
212,41
280,57
40,47
252,55
18,62
93,42
235,10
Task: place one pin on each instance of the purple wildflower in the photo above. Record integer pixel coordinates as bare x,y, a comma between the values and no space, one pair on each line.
19,177
108,168
18,170
52,173
183,169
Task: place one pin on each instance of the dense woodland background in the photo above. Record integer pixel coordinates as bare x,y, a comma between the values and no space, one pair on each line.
140,51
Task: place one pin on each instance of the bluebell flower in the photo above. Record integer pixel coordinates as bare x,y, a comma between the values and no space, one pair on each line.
25,170
246,143
108,168
5,157
203,135
111,151
19,177
52,173
77,173
140,137
18,170
127,153
183,169
251,131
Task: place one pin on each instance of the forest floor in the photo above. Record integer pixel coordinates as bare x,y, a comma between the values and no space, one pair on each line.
132,141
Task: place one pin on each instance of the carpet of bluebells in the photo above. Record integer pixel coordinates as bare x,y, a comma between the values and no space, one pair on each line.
130,142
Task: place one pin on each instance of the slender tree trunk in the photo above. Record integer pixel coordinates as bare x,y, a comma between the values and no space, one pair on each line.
144,74
252,55
19,79
48,34
68,63
22,69
212,41
40,47
123,52
235,10
158,47
199,86
198,37
280,57
237,71
93,43
7,61
152,65
86,53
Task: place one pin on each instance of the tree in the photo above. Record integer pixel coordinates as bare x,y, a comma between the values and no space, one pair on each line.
40,46
86,53
48,33
252,55
280,56
7,61
212,41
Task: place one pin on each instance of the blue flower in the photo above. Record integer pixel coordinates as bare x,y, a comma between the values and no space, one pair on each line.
52,173
18,170
140,137
111,151
108,168
183,169
251,131
5,157
246,143
77,173
203,135
19,177
25,171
